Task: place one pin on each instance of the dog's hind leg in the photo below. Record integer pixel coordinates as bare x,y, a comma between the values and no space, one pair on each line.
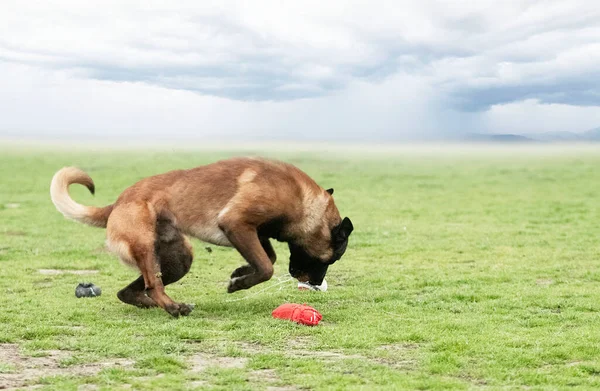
175,261
137,247
175,256
174,252
135,294
247,269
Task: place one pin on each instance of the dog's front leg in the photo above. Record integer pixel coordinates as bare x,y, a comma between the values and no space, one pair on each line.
245,239
247,269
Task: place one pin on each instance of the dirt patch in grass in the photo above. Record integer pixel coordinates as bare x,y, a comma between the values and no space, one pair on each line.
544,281
25,371
399,347
55,272
394,362
272,380
324,354
270,377
394,355
201,361
197,384
266,375
14,233
299,342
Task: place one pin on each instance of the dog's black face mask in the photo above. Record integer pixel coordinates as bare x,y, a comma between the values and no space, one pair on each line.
306,268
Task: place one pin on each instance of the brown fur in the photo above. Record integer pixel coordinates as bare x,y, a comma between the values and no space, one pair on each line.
238,202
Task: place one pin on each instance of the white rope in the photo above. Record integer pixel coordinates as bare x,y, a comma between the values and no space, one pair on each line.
265,289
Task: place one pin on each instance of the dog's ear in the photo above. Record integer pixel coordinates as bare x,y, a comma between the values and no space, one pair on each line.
343,230
347,227
330,191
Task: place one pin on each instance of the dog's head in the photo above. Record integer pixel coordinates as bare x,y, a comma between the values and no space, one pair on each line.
310,259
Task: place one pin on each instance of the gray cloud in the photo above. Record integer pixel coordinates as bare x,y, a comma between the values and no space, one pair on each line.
420,69
584,91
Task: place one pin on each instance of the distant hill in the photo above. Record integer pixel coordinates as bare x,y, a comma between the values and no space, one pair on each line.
592,135
498,138
557,136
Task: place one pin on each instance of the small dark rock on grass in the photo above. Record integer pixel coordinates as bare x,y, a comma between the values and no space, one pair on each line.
87,289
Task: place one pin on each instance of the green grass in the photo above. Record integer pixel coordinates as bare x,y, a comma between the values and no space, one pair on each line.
467,269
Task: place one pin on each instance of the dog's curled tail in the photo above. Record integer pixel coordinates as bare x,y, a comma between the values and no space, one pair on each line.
59,192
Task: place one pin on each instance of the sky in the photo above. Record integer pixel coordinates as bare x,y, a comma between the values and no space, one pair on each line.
298,70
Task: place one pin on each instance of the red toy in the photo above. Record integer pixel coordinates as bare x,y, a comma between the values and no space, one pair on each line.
299,313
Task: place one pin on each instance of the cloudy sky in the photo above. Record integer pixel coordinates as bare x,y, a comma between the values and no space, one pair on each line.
310,70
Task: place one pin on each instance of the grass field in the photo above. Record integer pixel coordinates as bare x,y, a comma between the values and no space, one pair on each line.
468,268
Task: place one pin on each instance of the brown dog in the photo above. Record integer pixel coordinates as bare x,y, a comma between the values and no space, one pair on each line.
239,202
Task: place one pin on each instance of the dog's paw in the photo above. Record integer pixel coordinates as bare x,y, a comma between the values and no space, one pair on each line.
178,309
242,271
185,309
233,286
